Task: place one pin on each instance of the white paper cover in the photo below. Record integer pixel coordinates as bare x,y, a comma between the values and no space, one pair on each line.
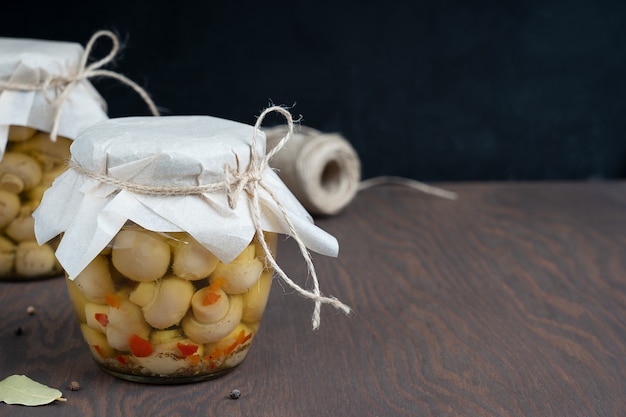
29,61
165,151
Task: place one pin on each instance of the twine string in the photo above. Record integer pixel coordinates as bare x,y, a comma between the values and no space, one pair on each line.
63,85
315,295
417,185
235,183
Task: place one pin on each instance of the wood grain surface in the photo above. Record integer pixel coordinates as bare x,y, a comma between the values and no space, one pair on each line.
510,301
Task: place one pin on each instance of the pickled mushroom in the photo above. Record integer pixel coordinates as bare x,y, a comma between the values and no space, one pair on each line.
97,342
140,255
32,260
7,255
125,320
41,143
49,154
20,133
255,300
240,274
162,336
212,332
47,178
9,207
170,302
22,227
95,282
78,300
19,172
209,305
97,316
143,293
192,261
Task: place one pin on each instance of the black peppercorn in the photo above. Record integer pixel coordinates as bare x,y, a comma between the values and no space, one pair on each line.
235,394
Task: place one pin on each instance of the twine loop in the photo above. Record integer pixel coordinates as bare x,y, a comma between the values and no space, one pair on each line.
238,182
63,85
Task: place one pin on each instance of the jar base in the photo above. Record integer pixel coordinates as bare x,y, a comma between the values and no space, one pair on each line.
164,379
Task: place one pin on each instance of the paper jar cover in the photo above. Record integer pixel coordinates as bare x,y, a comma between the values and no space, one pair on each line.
33,62
170,151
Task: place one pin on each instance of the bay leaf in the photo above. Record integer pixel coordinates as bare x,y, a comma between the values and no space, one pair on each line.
20,389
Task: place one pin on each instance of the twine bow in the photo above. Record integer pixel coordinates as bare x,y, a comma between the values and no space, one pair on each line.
235,183
251,181
64,85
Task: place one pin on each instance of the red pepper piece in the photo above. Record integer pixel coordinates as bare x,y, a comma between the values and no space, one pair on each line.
139,346
241,339
97,349
215,355
113,300
211,298
121,359
102,318
216,284
187,349
211,295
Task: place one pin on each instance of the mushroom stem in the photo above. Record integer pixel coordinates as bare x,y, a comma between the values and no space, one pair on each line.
212,332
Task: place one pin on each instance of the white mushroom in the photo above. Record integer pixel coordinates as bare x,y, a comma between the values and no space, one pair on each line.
98,345
140,255
28,207
125,320
192,261
143,293
50,155
33,260
162,336
36,193
47,178
170,302
20,133
9,207
240,274
19,172
7,256
255,300
211,332
78,300
22,227
42,143
95,282
97,316
209,305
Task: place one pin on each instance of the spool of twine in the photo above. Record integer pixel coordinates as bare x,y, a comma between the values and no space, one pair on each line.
322,170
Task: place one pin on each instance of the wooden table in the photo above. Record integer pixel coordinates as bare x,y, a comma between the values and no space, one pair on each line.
510,301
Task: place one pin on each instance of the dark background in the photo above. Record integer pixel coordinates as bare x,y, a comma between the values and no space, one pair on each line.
436,91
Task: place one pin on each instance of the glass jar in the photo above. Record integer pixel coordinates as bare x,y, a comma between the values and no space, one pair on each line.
46,100
30,164
161,308
169,228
